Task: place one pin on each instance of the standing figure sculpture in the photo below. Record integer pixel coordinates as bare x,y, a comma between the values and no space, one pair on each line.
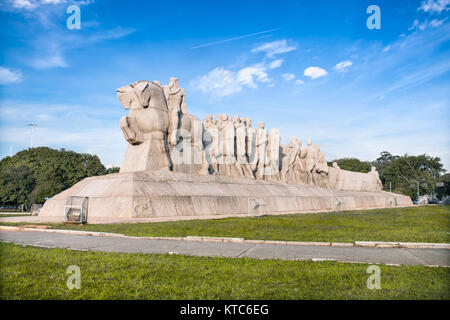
291,152
241,147
310,162
273,156
251,144
322,169
378,183
211,143
262,137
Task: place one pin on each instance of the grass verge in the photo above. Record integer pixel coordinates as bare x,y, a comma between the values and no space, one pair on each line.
414,224
37,273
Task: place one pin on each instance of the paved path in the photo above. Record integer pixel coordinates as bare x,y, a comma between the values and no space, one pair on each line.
401,256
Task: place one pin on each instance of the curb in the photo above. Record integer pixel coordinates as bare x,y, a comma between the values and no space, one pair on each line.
367,244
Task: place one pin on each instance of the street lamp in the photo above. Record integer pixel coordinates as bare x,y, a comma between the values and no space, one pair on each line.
33,127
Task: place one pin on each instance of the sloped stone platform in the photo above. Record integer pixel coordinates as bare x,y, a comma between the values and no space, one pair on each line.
173,195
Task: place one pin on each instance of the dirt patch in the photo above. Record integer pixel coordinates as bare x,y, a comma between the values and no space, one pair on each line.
36,226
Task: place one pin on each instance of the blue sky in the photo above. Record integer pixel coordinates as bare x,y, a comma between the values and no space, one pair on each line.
310,68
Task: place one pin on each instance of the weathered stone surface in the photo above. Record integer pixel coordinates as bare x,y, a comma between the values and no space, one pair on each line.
177,166
160,193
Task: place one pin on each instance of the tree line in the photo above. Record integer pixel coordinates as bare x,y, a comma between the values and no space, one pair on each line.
401,174
32,175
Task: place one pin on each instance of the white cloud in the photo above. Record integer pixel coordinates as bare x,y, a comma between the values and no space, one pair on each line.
250,75
433,6
315,72
436,23
9,76
49,62
298,81
219,83
288,76
24,4
271,49
53,1
418,25
33,4
276,63
343,66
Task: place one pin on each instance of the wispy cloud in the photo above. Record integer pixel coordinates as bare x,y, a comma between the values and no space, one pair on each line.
221,82
276,64
48,62
343,66
271,49
233,39
288,76
434,6
8,76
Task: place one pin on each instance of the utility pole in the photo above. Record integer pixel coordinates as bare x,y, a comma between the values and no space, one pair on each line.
33,127
390,187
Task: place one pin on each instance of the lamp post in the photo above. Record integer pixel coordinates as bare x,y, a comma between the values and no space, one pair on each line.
33,127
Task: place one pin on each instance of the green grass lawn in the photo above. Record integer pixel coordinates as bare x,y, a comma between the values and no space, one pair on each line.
415,224
37,273
15,215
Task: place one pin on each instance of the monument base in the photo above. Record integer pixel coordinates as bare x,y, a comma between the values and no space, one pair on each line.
175,196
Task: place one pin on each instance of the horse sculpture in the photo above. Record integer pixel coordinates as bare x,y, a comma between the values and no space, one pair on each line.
145,128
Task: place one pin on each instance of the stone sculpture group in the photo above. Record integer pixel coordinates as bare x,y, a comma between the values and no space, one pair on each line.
163,135
179,167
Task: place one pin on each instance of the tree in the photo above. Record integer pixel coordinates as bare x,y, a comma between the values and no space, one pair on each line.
444,190
16,185
352,164
112,170
53,170
406,171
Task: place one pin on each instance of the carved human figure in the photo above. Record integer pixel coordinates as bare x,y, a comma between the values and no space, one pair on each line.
145,128
310,161
176,103
334,178
251,144
211,143
185,132
261,149
291,152
241,146
273,155
374,172
322,169
300,164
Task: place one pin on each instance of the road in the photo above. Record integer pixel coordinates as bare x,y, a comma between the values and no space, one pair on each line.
398,256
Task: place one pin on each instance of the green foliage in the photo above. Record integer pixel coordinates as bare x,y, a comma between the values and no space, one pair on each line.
445,190
39,273
404,171
112,170
352,164
52,170
16,184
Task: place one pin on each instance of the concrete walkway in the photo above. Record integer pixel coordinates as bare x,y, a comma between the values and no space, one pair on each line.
391,256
